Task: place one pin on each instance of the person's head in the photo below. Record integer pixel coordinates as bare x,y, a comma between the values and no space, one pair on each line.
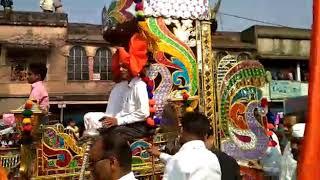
209,140
195,126
297,139
36,72
124,73
288,121
111,157
72,122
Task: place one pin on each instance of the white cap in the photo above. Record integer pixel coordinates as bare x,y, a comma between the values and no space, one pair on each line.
298,130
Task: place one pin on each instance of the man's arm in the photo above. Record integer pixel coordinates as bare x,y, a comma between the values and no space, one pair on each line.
164,157
110,110
142,106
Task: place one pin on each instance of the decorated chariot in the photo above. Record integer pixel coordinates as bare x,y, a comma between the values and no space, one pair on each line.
184,73
183,76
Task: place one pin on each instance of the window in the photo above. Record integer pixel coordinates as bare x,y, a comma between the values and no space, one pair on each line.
18,71
102,64
78,64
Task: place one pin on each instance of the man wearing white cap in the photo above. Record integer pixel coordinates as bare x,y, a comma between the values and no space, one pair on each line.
291,153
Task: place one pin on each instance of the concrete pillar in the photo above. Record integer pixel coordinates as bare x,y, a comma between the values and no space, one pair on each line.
298,72
3,56
90,64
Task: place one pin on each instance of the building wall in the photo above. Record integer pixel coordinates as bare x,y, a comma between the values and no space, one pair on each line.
14,93
283,47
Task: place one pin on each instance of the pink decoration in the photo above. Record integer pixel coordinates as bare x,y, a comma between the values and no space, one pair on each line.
139,6
8,119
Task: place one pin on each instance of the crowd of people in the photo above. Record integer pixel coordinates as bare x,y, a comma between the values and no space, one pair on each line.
196,159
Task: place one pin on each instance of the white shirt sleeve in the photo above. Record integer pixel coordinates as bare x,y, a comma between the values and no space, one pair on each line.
111,104
165,157
141,106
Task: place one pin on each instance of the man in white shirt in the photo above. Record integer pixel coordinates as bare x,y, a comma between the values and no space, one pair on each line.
111,158
291,153
193,161
130,121
134,101
115,102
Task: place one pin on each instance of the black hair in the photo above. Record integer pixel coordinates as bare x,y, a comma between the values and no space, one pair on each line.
114,144
300,116
70,120
196,124
39,69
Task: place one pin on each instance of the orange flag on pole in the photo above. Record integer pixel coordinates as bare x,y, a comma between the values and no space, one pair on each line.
309,168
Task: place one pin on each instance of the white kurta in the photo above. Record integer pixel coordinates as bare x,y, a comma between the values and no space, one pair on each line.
115,103
129,103
193,162
135,107
129,176
288,165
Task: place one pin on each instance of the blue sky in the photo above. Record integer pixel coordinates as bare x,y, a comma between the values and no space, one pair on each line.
293,13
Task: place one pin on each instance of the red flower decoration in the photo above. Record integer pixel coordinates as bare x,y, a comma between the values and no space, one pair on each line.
146,79
27,128
150,83
150,122
139,6
152,102
185,96
152,109
264,102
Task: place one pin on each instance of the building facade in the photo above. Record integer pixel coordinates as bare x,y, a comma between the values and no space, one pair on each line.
77,57
283,51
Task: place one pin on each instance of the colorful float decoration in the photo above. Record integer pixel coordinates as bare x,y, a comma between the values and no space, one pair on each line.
171,30
42,151
242,110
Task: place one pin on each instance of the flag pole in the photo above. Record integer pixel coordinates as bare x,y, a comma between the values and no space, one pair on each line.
308,166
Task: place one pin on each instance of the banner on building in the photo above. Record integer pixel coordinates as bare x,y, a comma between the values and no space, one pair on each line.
285,89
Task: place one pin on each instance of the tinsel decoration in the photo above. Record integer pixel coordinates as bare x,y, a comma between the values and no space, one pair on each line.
150,87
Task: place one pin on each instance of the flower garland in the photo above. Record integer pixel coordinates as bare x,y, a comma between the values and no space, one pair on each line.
152,121
26,123
186,101
139,10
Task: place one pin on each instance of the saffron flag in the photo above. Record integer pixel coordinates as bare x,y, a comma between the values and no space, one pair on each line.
309,168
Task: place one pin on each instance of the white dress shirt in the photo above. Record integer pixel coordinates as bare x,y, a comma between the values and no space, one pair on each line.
115,103
275,138
193,162
136,103
129,176
288,164
116,98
